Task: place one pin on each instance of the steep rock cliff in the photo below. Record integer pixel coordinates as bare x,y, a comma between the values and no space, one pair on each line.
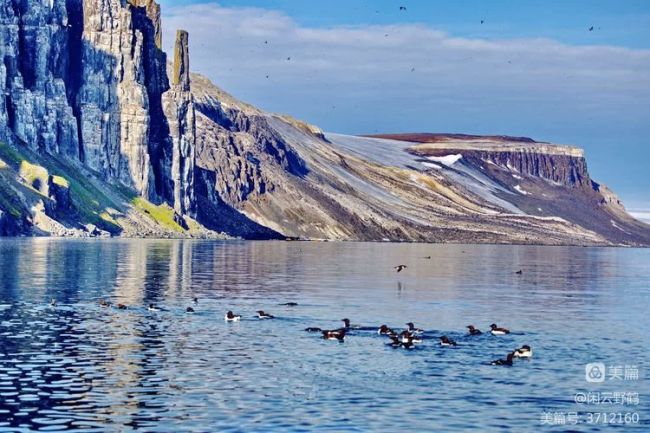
178,106
101,135
34,108
120,87
86,81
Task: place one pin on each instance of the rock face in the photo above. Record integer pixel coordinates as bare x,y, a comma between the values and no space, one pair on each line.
122,77
563,169
87,80
178,106
100,134
565,165
34,61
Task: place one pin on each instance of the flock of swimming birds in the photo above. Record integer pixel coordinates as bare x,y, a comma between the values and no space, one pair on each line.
406,339
411,336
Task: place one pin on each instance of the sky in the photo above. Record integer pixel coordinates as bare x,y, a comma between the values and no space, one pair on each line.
571,72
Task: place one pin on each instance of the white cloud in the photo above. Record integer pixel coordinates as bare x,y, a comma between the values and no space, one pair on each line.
642,215
416,77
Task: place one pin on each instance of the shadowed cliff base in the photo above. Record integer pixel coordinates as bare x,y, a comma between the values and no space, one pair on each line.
222,218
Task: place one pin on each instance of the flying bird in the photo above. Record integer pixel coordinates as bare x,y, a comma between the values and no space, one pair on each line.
402,8
399,268
591,29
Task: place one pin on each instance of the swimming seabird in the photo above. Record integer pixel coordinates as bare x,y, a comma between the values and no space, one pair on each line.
231,317
262,315
413,330
495,330
524,352
507,361
336,334
446,341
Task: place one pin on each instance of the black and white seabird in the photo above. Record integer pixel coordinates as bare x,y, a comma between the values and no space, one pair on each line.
524,352
495,330
231,317
446,341
385,330
336,334
413,330
262,315
507,361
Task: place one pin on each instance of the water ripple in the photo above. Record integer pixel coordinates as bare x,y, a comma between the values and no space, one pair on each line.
79,366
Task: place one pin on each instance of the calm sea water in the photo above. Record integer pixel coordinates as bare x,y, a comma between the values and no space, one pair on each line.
81,366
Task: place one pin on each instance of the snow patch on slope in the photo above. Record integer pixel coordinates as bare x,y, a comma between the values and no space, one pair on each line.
394,153
447,160
618,227
521,190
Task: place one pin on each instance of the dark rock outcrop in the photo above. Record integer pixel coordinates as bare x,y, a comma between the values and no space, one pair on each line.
569,170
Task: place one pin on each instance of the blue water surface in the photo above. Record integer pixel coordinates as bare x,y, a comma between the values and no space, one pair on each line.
79,366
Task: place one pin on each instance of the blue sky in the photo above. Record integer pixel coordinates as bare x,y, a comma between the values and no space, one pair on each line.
531,68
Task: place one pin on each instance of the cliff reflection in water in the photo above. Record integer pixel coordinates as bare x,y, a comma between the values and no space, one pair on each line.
79,365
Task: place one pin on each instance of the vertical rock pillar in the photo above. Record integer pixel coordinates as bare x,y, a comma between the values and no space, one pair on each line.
179,109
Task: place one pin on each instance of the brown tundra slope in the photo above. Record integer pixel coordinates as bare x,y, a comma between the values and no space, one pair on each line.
291,177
